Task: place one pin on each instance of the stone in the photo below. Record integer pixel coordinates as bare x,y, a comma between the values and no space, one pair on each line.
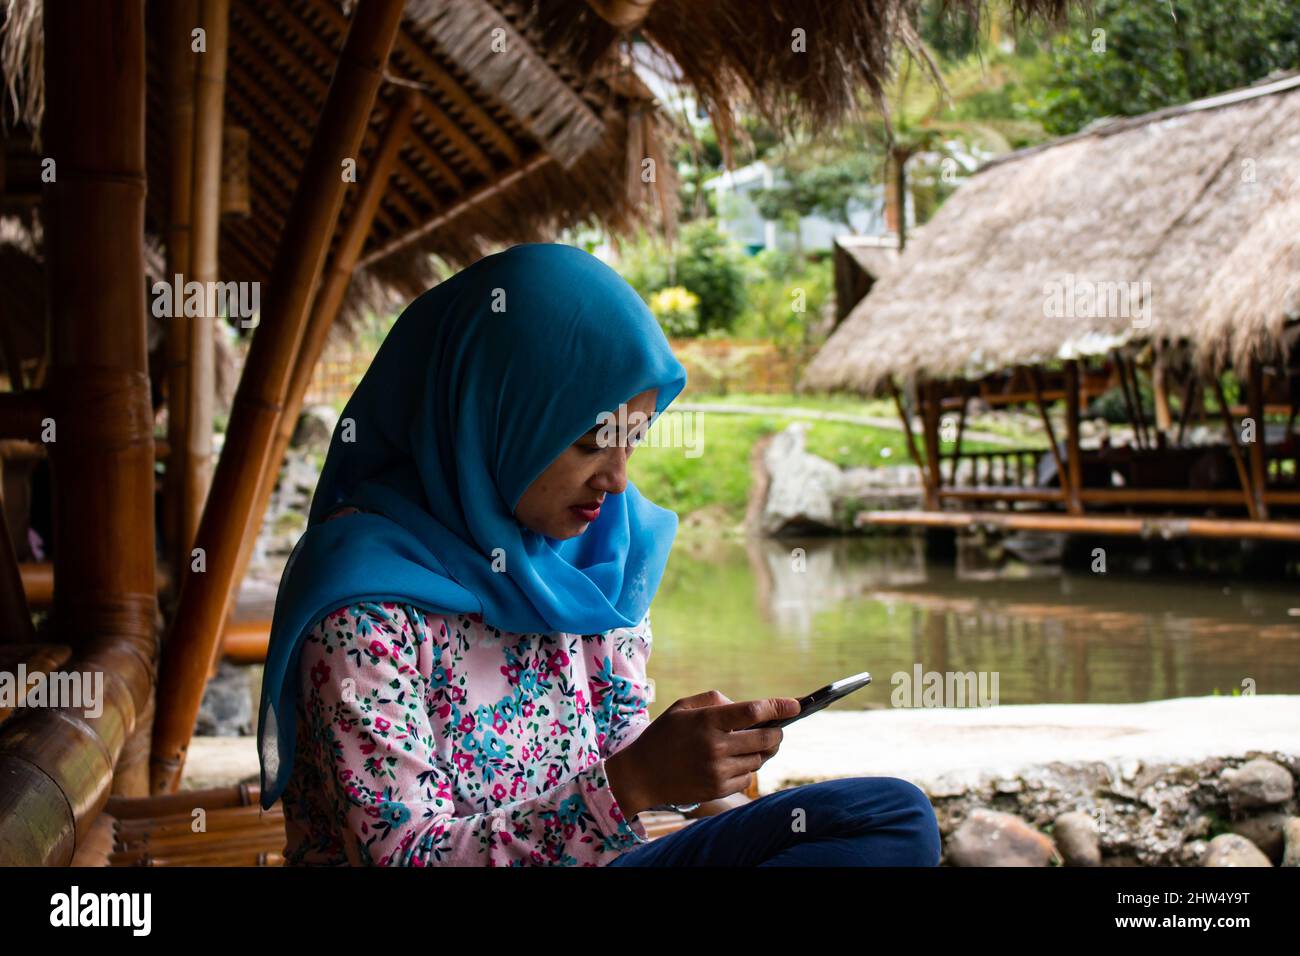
993,838
315,428
227,706
1077,838
1258,783
802,489
1265,831
1291,841
1230,849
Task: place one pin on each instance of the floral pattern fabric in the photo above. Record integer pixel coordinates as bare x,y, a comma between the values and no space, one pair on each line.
431,740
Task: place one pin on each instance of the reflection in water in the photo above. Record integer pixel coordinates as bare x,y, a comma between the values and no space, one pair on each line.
758,617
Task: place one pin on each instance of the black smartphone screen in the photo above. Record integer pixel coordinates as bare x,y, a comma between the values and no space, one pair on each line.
820,698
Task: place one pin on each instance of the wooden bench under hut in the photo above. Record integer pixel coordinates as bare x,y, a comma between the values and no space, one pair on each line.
337,157
1158,256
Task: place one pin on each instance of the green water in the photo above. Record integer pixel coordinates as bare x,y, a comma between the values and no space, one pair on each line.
737,616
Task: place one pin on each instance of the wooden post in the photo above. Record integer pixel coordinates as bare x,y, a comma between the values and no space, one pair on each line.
1160,391
313,215
930,408
57,764
327,305
961,430
1074,454
1138,437
1243,476
931,493
1067,492
183,17
1190,388
1259,447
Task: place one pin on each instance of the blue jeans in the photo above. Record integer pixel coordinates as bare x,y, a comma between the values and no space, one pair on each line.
853,821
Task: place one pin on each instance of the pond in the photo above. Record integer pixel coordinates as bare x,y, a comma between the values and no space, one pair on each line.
766,617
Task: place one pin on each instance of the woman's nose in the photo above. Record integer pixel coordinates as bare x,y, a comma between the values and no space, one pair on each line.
612,478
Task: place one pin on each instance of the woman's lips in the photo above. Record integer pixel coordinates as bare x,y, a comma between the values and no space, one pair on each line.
586,514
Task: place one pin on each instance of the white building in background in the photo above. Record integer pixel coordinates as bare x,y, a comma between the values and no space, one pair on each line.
739,218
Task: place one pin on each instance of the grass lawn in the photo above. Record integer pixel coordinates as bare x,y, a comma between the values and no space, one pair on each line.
719,476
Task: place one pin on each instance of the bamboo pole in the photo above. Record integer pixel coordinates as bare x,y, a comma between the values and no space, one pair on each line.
1067,488
1242,475
183,16
57,764
15,616
209,120
1259,447
472,199
206,598
329,301
931,498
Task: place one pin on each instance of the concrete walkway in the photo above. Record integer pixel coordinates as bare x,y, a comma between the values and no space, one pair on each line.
945,750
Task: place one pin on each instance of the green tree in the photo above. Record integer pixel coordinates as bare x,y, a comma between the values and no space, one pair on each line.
1150,54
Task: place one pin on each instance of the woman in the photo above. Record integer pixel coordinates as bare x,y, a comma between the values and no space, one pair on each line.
456,672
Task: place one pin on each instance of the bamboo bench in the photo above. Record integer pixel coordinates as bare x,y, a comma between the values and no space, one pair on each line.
159,831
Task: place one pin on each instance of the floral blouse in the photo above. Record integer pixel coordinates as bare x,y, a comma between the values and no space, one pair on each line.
430,740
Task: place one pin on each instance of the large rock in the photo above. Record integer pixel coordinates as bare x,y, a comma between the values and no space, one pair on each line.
1258,783
805,492
1291,841
1077,838
1230,849
991,838
1265,831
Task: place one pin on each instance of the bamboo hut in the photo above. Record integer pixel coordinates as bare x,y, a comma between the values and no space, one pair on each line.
326,153
1156,255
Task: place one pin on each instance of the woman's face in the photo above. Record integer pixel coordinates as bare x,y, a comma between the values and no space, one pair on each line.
566,497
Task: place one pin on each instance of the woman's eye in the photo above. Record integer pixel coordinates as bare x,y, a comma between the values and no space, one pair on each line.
590,449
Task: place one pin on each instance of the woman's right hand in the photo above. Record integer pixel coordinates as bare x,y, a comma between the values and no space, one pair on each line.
698,749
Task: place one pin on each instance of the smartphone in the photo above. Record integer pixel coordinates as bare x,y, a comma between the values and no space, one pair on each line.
820,698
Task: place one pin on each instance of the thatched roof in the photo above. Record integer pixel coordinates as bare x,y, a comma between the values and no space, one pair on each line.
874,255
504,148
1196,206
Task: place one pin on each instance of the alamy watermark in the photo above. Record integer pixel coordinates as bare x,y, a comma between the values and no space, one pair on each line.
673,430
1076,298
193,299
944,689
74,690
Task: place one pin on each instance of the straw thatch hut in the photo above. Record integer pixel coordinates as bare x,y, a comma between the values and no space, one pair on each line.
323,150
1138,254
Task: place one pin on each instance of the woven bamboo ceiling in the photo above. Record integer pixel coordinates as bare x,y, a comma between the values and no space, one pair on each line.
522,123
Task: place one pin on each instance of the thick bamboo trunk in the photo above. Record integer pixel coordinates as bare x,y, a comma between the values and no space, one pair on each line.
180,122
206,598
56,764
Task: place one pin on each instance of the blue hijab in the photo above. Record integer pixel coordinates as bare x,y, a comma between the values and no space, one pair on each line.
480,384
